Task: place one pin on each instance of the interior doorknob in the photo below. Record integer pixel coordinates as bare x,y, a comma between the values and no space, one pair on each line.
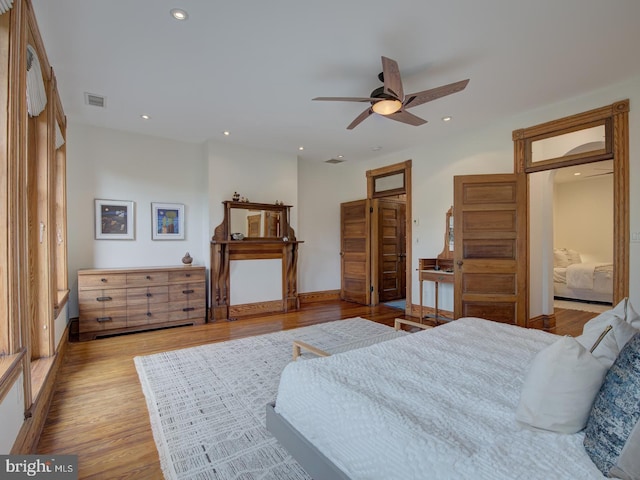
459,262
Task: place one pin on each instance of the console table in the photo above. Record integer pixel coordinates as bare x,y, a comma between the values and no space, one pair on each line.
440,269
427,272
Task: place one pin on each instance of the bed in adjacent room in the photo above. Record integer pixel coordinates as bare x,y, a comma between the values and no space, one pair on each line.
437,404
575,279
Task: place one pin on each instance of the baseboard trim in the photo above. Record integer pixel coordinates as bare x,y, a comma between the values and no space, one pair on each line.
542,322
255,308
29,435
321,296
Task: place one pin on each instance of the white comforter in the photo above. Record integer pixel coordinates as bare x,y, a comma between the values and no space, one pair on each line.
438,404
582,275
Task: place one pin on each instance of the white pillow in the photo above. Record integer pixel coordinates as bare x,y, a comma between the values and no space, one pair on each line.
573,257
560,387
623,310
610,346
560,258
631,316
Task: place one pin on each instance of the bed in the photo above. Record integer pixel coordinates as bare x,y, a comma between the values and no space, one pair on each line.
575,279
436,404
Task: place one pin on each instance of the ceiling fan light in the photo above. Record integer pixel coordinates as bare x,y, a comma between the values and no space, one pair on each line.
387,107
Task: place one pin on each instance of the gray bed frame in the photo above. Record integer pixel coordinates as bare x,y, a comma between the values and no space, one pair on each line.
312,460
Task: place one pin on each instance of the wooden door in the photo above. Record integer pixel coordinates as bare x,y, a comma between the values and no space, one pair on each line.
490,247
253,225
271,224
391,243
355,263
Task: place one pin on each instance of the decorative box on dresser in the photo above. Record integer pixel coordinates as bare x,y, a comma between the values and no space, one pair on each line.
118,300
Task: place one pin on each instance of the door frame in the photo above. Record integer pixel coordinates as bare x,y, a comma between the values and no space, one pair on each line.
397,168
616,116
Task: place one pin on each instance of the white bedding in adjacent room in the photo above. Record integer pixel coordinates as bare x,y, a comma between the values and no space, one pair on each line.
582,275
435,404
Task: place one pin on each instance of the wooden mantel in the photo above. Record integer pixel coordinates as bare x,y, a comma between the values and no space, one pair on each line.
224,249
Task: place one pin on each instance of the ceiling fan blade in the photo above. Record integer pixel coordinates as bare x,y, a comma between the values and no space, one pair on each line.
406,117
392,79
359,119
415,99
346,99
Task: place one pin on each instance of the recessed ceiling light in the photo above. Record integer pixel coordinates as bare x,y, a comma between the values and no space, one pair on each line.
376,149
226,133
301,148
145,117
577,173
179,14
340,156
446,119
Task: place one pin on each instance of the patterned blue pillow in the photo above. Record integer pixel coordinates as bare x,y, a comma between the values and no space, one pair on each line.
612,435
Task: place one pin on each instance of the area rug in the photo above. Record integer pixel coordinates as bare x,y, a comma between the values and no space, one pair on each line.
207,403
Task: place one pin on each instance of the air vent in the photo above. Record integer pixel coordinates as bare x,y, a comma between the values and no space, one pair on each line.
334,160
94,100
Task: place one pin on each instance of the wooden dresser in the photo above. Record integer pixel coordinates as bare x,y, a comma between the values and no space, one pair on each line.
134,299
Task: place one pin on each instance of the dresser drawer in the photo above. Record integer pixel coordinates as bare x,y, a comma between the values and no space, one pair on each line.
102,298
189,274
194,292
187,313
147,295
146,278
146,315
102,281
102,319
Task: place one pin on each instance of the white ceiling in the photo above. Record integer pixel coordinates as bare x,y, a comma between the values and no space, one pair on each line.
252,67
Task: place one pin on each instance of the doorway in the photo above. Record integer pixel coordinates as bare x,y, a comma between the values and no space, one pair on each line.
534,147
390,233
367,250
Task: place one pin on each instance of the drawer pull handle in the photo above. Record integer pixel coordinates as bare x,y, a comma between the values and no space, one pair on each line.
186,292
149,314
103,280
103,319
149,295
187,275
188,309
148,277
104,299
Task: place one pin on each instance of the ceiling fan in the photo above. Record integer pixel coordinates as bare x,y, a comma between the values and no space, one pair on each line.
390,100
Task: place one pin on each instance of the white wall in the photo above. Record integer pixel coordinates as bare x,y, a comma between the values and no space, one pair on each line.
11,416
261,177
489,150
114,165
583,217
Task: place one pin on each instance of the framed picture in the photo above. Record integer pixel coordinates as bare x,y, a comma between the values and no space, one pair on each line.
114,220
167,221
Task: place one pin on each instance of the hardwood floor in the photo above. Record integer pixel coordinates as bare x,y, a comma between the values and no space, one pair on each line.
99,412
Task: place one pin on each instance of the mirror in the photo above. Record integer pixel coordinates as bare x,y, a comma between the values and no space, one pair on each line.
254,221
447,251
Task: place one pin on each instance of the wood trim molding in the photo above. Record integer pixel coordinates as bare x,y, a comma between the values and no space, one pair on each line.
222,252
542,322
616,114
27,440
272,306
323,296
371,174
10,368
